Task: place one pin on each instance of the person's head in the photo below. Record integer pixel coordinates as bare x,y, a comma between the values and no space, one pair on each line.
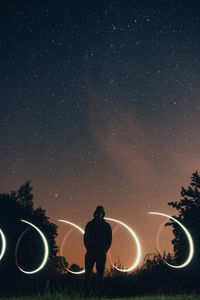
99,213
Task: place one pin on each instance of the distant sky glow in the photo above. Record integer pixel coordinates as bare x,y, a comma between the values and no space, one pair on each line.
82,231
136,239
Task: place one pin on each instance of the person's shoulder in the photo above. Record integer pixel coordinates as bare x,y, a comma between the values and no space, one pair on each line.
89,223
107,224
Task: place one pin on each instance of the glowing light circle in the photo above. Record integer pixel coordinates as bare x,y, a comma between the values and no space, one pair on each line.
46,249
139,251
62,246
109,255
82,231
191,245
3,249
158,236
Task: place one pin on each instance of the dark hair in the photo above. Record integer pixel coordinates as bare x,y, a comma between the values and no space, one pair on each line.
99,210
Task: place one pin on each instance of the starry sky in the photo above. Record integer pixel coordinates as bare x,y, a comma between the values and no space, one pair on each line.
99,105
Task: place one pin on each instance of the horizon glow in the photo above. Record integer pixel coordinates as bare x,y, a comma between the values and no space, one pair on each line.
139,251
82,231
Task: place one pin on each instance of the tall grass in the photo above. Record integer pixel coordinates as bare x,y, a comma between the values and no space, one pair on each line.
58,296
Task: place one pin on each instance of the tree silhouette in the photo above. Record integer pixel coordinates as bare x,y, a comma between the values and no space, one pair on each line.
189,214
154,262
75,268
61,265
16,206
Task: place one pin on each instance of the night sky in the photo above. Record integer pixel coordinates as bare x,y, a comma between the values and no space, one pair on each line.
100,105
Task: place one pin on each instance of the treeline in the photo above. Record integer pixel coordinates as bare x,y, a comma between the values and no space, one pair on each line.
24,246
155,276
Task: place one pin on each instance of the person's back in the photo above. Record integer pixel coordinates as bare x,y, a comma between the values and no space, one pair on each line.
98,235
97,241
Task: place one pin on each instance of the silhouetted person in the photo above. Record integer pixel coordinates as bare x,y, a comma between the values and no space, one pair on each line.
97,240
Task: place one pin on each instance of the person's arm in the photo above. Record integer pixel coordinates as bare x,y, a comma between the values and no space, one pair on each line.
109,237
86,238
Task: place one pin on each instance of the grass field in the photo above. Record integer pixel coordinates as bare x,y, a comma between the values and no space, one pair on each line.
75,297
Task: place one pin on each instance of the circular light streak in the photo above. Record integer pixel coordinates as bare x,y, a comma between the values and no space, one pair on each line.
191,245
139,252
46,249
109,255
62,246
158,236
82,231
3,249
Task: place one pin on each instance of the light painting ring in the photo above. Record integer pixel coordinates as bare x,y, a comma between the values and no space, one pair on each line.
62,246
17,244
46,249
191,245
82,231
139,251
158,236
3,249
109,255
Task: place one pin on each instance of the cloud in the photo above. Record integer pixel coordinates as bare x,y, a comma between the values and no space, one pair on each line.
153,157
124,141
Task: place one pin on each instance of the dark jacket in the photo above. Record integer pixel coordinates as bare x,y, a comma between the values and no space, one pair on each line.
98,235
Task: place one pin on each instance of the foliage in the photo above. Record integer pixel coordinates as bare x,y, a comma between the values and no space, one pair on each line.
188,208
156,262
75,268
59,296
61,265
154,276
16,206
